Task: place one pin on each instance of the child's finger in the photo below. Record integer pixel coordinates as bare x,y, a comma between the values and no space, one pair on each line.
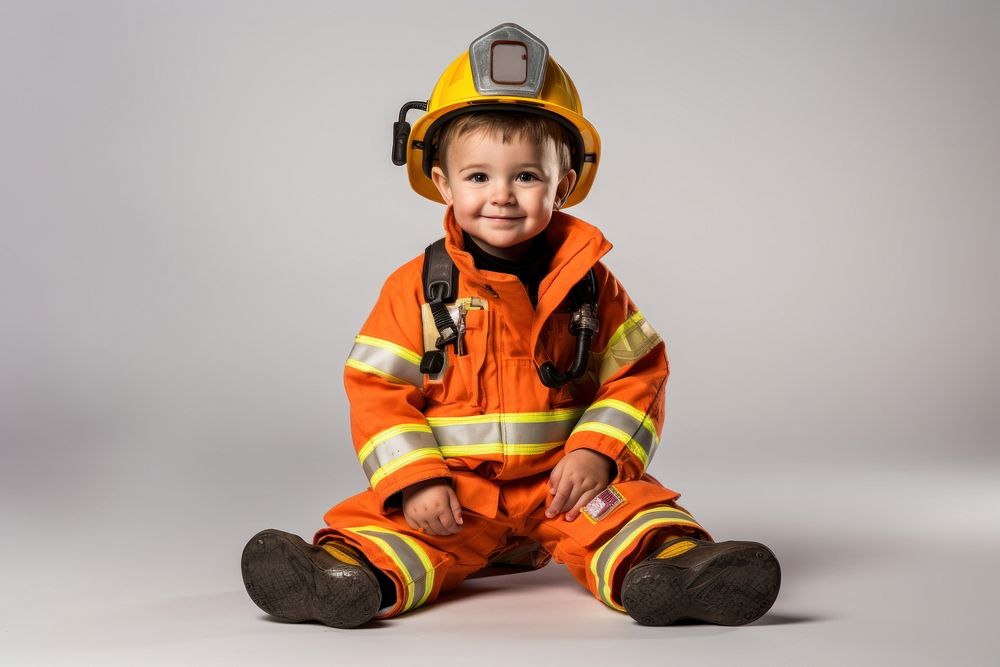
447,522
456,507
562,500
451,520
434,527
557,502
555,476
580,504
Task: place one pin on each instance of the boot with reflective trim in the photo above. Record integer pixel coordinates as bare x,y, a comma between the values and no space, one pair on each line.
729,583
296,581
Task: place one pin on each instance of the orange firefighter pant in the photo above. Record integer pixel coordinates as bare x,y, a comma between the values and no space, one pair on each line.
634,519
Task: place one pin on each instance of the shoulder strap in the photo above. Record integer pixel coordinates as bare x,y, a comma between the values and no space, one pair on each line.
440,277
440,273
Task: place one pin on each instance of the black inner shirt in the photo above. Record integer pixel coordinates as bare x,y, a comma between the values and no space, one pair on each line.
529,270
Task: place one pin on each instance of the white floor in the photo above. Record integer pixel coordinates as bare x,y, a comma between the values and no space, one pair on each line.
881,565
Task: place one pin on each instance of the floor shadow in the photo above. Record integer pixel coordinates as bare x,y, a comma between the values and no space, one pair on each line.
373,624
789,619
467,591
768,619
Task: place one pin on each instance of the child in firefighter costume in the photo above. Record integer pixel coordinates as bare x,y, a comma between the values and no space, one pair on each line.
506,394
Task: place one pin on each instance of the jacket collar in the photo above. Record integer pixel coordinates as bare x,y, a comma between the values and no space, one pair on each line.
576,246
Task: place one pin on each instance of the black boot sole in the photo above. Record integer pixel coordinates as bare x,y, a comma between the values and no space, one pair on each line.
296,581
731,583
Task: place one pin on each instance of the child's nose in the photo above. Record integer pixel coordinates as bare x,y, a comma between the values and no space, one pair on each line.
503,194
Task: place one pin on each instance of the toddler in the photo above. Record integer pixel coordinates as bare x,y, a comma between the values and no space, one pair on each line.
506,394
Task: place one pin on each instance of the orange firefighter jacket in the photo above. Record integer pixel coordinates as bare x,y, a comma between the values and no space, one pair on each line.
487,417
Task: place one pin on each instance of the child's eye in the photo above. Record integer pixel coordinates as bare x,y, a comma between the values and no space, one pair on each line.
478,178
526,176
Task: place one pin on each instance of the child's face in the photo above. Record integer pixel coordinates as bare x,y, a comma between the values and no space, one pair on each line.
503,194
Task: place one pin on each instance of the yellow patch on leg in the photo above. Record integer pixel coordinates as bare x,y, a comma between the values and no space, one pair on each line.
341,552
676,549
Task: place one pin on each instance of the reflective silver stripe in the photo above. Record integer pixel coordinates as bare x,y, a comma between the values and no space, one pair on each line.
384,452
508,430
466,434
639,431
529,433
503,432
607,554
413,563
630,342
617,434
387,359
510,434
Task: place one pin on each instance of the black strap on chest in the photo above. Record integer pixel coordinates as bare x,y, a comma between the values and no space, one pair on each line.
440,278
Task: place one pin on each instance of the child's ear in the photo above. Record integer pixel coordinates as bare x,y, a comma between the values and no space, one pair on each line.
441,183
565,187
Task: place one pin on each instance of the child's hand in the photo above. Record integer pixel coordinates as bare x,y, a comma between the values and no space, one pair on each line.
581,475
432,506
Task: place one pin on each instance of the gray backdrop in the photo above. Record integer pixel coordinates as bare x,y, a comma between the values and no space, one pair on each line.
198,210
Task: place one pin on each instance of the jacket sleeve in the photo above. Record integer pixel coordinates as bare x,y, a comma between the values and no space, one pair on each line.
384,385
625,420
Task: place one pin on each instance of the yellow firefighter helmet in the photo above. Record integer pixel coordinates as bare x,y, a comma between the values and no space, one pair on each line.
506,69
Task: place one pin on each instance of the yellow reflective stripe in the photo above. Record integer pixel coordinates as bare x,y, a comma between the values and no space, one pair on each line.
428,569
499,448
617,434
623,422
381,437
535,448
471,450
509,434
453,421
402,461
398,350
390,552
603,560
631,341
397,446
385,359
629,324
366,368
562,414
559,415
512,434
408,556
630,410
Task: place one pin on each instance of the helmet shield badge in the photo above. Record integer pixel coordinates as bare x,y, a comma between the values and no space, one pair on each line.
508,60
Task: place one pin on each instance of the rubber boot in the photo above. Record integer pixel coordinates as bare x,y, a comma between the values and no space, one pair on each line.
296,581
728,583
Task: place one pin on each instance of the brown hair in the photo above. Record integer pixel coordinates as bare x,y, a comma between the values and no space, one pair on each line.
507,125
